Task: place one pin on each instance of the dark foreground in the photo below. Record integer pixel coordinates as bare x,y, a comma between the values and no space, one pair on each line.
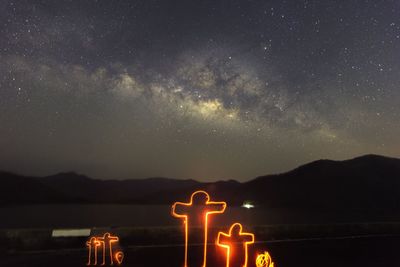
339,252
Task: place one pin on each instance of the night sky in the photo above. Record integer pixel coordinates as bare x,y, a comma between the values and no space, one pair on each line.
206,90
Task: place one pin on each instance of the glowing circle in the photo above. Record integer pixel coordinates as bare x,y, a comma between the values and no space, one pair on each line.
264,260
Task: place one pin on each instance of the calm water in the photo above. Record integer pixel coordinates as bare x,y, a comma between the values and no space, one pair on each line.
43,216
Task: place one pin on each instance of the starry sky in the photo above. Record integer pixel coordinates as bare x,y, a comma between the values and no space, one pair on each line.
202,89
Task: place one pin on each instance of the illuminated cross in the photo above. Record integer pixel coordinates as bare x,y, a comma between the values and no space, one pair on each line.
195,213
92,245
236,243
107,242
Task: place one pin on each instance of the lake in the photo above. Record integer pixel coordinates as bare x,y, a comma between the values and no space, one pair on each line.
44,216
59,216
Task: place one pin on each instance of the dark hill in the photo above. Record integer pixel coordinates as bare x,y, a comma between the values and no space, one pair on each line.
368,183
84,189
363,183
17,189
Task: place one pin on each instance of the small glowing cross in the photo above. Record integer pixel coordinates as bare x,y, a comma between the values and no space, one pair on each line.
236,243
106,242
92,245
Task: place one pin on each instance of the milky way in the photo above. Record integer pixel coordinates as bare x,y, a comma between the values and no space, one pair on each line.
196,89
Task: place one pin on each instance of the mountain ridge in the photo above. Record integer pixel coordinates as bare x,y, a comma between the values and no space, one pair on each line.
364,183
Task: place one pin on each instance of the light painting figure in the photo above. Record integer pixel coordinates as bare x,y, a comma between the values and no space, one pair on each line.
264,260
92,245
106,242
195,213
119,257
235,242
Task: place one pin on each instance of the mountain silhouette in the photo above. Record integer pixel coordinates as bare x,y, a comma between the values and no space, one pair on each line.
369,184
363,183
18,189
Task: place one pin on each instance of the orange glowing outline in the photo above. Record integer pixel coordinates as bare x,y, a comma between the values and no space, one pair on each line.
119,257
264,260
93,240
111,239
100,241
185,217
228,247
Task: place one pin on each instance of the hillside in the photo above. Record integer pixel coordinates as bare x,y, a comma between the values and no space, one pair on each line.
367,183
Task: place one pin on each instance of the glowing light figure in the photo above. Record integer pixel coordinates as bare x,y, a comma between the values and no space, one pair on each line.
106,242
92,245
119,257
196,212
264,260
236,243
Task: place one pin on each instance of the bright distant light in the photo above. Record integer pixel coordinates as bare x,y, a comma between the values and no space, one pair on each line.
247,205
